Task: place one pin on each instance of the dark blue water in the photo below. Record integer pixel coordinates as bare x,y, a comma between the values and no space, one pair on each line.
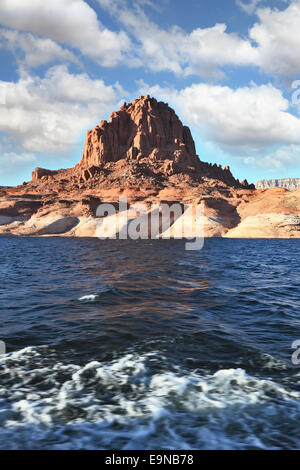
143,345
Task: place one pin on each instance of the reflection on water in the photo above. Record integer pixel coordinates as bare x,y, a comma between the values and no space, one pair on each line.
128,340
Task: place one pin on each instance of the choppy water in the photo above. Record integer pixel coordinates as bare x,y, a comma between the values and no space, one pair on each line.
143,345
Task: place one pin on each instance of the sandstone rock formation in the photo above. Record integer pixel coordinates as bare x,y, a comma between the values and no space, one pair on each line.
288,183
144,128
146,154
147,138
39,173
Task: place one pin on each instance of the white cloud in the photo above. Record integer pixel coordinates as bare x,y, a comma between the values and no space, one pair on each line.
33,51
45,115
10,161
246,122
157,6
280,159
72,22
249,6
277,35
272,43
203,52
50,114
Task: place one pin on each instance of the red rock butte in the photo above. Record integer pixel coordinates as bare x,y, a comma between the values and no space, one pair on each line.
144,128
145,153
147,139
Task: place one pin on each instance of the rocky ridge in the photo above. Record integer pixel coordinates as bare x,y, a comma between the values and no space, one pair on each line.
145,153
288,183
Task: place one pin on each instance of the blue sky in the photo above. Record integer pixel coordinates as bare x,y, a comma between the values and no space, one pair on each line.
228,67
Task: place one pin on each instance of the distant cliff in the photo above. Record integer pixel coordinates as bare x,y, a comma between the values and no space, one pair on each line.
288,183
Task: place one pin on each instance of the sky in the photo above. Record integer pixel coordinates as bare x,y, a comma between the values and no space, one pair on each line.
229,68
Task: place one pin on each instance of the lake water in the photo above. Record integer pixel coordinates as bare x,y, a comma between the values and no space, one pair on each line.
143,345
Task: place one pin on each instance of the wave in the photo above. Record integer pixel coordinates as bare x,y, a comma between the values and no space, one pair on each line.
89,298
105,293
137,401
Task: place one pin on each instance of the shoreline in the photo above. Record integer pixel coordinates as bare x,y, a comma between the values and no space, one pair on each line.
266,226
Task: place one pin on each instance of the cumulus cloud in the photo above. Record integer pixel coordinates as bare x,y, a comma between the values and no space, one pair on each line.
49,114
271,45
32,51
277,35
246,121
42,31
71,22
203,52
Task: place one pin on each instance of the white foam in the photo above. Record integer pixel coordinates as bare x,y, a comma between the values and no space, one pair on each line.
270,362
89,298
128,403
